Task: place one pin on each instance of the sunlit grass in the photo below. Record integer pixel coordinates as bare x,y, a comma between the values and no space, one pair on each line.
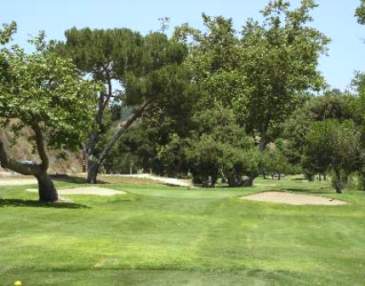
159,235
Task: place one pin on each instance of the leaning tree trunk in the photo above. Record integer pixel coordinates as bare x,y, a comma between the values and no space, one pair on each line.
46,189
97,161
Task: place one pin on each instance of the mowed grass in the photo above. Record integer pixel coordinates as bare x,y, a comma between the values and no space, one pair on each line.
159,235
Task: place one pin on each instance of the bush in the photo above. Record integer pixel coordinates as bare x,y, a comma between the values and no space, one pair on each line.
274,161
204,158
240,167
335,146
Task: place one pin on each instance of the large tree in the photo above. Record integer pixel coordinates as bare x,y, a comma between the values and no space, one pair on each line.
214,61
262,72
142,69
279,58
43,92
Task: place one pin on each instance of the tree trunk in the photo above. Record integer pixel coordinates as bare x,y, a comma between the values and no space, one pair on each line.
234,181
248,181
97,161
339,181
46,189
92,171
262,144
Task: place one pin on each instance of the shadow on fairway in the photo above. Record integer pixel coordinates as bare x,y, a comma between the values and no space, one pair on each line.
72,179
37,204
307,191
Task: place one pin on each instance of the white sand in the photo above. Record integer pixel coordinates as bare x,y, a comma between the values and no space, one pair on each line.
293,199
94,191
163,180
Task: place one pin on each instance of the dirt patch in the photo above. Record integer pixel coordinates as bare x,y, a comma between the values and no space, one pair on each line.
293,199
93,191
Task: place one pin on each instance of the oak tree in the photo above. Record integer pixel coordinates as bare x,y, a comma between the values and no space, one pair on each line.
43,92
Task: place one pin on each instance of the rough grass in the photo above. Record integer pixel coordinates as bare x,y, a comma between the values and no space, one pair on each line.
158,235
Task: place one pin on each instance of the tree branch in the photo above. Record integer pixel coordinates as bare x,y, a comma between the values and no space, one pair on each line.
110,93
11,164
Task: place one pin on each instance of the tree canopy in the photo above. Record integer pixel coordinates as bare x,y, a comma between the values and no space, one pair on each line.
43,91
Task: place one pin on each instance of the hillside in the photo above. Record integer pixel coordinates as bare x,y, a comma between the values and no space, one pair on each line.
22,150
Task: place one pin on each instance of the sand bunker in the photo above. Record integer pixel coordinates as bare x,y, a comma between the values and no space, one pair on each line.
94,191
293,199
162,180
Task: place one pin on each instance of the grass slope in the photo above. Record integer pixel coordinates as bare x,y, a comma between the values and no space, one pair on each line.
158,235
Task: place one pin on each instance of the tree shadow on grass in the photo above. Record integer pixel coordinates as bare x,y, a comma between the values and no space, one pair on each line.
37,204
299,179
72,179
307,191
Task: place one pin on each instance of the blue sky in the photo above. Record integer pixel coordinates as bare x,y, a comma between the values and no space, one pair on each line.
335,18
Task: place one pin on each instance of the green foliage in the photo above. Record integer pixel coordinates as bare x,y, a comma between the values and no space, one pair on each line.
140,64
6,32
102,53
239,166
172,156
214,61
275,161
46,90
360,13
279,58
334,146
261,74
161,235
219,147
204,157
332,105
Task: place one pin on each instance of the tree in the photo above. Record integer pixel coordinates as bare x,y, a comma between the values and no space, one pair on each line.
279,59
42,91
359,83
145,68
214,62
360,12
332,104
219,147
334,146
240,167
275,160
359,114
204,157
261,73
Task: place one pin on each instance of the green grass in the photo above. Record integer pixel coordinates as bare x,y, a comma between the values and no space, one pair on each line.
159,235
